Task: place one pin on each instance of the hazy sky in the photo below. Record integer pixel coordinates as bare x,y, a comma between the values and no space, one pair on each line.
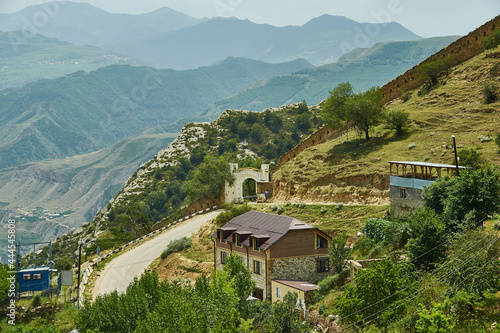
424,17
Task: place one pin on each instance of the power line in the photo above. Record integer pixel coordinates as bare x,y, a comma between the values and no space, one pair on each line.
440,279
440,268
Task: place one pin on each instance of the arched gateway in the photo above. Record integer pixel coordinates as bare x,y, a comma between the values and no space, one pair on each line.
234,193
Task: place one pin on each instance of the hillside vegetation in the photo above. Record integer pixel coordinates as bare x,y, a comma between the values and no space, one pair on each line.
363,68
161,186
352,170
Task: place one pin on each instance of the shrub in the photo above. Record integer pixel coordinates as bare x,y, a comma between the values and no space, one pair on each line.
411,146
496,225
339,206
323,210
37,301
470,158
428,72
489,93
398,120
177,245
376,229
327,284
491,41
406,96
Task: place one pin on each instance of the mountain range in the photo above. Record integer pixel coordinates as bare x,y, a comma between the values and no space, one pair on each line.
168,39
27,58
363,68
86,111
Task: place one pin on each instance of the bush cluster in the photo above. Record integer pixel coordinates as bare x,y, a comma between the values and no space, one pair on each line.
176,246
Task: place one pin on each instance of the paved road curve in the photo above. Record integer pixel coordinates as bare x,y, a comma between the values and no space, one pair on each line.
120,272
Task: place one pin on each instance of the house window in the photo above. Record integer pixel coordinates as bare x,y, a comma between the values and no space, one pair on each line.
321,242
37,276
26,276
238,240
222,237
402,192
223,258
256,267
322,265
255,244
278,292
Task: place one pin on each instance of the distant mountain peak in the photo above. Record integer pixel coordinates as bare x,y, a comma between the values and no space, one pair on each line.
331,21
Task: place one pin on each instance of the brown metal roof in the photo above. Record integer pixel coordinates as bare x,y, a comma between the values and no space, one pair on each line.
260,224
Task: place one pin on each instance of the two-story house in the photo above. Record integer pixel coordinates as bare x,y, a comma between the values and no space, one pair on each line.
273,247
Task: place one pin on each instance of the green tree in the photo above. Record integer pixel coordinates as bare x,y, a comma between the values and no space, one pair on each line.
302,122
303,107
242,279
139,215
284,317
209,178
273,121
339,252
491,41
257,133
4,283
470,158
363,110
474,190
434,320
428,236
398,120
490,92
376,290
243,130
428,72
334,108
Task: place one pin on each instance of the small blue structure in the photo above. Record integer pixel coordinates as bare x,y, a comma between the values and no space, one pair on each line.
34,279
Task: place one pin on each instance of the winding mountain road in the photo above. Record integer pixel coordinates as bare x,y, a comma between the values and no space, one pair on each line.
120,272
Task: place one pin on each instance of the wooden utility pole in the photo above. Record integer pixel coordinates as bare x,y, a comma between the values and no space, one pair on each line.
456,155
78,283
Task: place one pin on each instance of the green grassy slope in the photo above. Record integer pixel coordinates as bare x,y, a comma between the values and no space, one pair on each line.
363,68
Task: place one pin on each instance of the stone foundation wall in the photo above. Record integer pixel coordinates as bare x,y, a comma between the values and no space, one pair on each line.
462,49
302,268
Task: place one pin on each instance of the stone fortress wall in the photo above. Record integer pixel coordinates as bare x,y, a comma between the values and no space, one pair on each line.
322,135
462,49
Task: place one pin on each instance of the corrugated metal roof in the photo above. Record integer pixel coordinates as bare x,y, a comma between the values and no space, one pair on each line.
264,224
434,165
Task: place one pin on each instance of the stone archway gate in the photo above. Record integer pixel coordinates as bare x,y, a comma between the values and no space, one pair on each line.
234,193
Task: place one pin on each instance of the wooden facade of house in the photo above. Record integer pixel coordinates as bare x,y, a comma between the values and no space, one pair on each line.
273,247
